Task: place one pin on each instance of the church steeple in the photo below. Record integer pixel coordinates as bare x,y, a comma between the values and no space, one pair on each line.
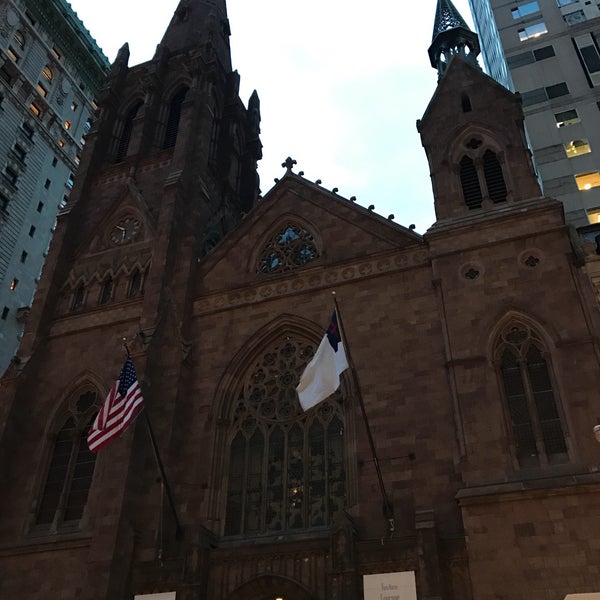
451,36
198,23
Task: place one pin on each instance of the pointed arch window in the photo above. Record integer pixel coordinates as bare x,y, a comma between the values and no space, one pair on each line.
173,118
532,404
469,180
287,470
465,102
291,247
135,284
126,131
107,291
494,178
70,471
78,297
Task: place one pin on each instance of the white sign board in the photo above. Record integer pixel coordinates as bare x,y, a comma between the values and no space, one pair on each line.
166,596
390,586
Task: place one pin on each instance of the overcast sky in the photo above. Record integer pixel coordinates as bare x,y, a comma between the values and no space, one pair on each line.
341,84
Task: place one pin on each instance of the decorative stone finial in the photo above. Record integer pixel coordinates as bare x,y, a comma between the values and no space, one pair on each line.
289,164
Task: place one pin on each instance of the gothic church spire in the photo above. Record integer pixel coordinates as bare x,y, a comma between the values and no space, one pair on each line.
199,23
451,36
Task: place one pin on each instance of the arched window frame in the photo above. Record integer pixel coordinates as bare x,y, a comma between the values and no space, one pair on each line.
136,283
473,143
125,132
78,301
69,466
226,403
173,117
276,254
519,338
107,290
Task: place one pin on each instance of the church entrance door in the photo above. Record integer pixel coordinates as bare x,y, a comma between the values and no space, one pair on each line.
270,587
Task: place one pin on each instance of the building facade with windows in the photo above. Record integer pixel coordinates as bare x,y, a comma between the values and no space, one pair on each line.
51,70
549,51
465,342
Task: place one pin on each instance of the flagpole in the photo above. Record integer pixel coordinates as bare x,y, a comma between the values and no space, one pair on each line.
159,462
163,475
388,509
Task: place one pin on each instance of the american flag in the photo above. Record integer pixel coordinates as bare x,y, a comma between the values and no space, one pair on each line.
123,403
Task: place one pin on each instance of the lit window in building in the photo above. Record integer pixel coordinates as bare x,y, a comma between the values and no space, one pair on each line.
41,90
67,125
61,143
35,109
587,181
532,31
525,9
594,216
11,52
47,73
74,106
57,53
13,284
577,147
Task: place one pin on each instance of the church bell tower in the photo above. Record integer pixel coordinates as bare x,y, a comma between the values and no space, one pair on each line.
169,168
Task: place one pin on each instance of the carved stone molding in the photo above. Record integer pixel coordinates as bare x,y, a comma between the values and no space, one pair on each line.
310,280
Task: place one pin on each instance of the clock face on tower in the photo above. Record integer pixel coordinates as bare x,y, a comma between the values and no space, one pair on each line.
126,230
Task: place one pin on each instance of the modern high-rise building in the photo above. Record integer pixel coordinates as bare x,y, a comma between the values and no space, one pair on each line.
50,72
548,50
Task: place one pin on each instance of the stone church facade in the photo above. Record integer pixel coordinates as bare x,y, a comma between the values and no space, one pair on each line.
475,346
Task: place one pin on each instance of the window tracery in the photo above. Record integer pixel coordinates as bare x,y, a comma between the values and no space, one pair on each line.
481,175
291,247
71,468
286,467
532,404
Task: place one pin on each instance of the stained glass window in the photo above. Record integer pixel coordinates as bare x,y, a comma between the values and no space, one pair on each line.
289,248
537,428
287,469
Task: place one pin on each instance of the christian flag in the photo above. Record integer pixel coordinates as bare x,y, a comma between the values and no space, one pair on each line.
123,403
322,374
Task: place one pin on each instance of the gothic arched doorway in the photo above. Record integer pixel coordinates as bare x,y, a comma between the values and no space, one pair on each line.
270,587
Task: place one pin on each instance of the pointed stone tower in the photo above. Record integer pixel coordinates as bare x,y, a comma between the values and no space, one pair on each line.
472,130
169,168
